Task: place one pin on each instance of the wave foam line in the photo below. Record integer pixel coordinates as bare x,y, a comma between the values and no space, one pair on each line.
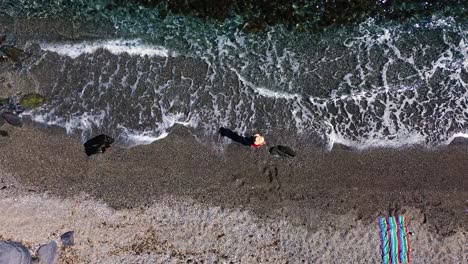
132,47
264,91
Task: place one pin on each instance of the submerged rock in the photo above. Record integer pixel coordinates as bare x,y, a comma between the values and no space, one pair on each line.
14,253
48,253
4,101
13,53
98,144
282,151
32,100
12,119
68,238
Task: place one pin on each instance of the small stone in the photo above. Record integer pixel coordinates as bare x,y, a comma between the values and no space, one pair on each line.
68,239
14,253
12,119
48,253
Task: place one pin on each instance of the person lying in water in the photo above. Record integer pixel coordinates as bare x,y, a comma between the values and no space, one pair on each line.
255,141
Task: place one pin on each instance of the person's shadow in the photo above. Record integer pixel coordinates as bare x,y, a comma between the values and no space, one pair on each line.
246,141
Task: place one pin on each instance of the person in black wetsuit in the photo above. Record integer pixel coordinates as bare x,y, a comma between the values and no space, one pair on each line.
251,141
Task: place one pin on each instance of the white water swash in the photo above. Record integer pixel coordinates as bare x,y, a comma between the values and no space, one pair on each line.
369,86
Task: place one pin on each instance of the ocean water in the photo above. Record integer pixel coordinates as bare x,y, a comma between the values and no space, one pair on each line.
367,84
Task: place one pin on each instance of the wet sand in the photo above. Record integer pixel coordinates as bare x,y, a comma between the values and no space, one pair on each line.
319,193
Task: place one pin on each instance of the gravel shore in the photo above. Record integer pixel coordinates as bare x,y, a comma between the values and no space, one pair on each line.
152,208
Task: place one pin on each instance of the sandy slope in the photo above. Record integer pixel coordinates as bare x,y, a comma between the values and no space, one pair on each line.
177,230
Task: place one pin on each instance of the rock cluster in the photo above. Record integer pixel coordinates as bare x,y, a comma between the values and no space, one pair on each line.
16,253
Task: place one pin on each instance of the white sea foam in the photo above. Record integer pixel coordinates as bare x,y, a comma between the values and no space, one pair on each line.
140,138
398,140
84,122
273,94
264,91
134,47
457,135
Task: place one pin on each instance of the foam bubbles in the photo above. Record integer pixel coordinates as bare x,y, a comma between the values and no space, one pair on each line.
134,47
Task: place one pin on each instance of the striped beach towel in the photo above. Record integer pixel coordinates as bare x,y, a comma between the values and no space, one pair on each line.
395,240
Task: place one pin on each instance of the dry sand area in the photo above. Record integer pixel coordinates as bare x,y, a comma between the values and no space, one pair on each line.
178,230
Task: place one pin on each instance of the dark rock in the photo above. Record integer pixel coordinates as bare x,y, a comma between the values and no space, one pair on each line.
12,119
14,253
98,144
282,151
4,101
13,53
48,253
68,239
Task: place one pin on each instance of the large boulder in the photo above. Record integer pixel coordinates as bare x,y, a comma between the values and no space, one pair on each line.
14,253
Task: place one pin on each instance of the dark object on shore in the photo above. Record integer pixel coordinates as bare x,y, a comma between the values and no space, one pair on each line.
4,101
282,151
11,105
13,53
98,144
246,141
48,253
12,119
68,238
14,253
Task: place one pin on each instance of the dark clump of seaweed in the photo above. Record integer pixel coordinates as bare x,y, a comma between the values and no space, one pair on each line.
305,14
11,52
